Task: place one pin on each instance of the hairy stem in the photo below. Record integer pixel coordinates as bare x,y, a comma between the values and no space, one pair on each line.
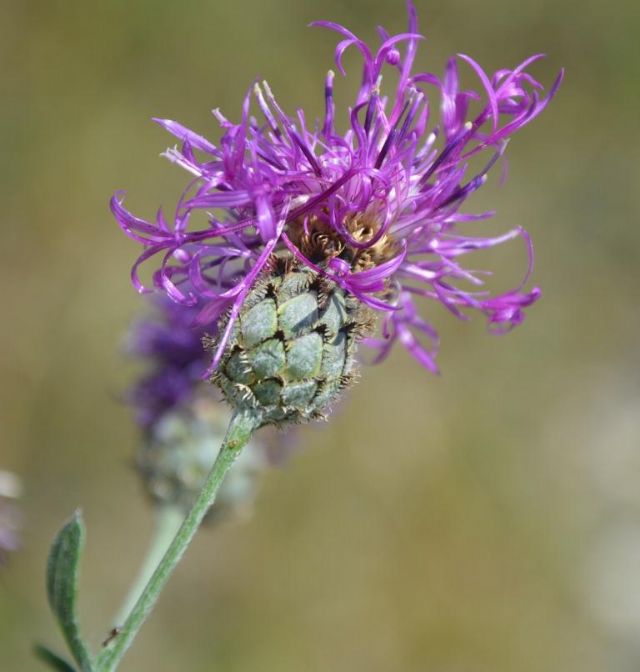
241,427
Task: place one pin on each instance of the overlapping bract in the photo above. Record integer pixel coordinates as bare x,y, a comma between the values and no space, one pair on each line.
402,167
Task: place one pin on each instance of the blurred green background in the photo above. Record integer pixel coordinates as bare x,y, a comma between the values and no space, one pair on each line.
487,520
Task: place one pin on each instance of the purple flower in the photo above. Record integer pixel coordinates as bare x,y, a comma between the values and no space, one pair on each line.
376,208
172,344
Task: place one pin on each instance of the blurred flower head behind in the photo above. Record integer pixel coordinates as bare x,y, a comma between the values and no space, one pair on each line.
182,419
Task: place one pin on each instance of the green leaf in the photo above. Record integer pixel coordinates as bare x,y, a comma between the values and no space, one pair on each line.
62,586
52,659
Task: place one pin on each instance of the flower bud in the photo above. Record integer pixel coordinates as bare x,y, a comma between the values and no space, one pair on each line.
291,350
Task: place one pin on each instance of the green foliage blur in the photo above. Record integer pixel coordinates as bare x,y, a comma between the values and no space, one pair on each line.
486,520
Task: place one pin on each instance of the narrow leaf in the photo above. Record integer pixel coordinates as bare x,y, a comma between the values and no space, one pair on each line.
52,659
62,585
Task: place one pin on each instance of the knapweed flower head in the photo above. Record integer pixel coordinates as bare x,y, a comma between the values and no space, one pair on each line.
369,216
9,516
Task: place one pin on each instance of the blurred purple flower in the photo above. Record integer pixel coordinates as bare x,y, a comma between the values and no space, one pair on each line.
376,208
172,345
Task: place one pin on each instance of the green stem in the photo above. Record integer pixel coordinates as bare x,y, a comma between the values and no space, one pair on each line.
168,521
241,427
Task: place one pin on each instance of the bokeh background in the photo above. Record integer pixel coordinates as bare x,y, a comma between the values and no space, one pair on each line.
487,520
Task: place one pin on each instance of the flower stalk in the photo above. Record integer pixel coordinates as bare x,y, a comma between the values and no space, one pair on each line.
66,552
242,425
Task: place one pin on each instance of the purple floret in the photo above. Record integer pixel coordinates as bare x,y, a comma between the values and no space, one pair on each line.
394,181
